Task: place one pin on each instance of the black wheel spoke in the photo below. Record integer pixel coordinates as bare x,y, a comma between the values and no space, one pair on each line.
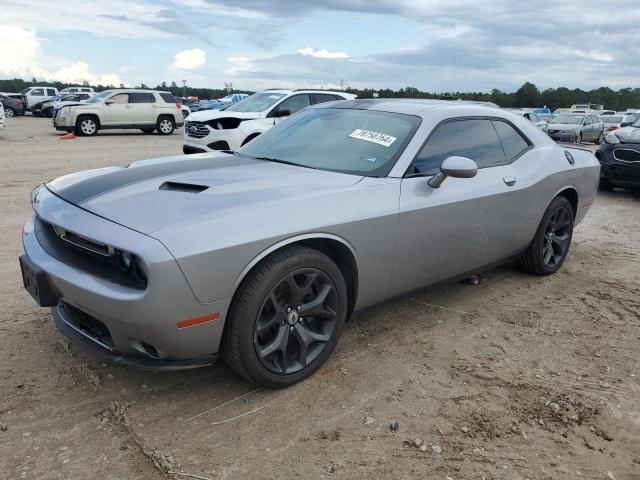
306,338
317,307
277,344
561,242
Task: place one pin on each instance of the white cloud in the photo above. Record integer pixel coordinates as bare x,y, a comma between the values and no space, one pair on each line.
189,60
22,56
310,52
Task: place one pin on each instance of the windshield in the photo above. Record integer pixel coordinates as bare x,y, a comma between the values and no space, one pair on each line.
99,97
568,118
636,123
360,142
258,102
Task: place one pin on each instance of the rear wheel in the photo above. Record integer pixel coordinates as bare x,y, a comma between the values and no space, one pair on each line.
579,138
552,240
9,112
286,318
165,126
86,126
600,138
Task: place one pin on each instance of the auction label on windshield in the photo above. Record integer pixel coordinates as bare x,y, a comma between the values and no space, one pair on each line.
374,137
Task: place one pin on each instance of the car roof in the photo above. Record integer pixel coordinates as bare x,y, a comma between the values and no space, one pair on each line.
409,106
302,90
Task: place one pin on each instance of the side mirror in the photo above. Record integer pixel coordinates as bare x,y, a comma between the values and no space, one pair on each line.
456,167
281,113
108,102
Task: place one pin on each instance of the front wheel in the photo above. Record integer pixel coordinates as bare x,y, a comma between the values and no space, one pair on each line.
600,138
286,318
86,126
9,112
579,138
552,240
165,126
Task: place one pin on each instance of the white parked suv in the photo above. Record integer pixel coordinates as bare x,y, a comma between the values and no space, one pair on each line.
2,125
147,110
235,125
77,90
33,95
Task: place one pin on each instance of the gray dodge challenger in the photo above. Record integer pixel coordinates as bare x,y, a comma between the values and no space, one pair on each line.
261,255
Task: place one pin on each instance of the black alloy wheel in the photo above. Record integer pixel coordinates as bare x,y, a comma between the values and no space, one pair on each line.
296,321
557,237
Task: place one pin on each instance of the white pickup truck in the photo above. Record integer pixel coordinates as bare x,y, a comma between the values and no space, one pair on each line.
33,95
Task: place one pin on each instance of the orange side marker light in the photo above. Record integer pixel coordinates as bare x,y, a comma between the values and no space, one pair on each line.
198,320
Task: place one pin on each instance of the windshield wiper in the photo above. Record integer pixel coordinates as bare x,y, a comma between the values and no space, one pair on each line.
277,160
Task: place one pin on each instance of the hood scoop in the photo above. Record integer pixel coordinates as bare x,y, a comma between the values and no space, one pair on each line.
183,187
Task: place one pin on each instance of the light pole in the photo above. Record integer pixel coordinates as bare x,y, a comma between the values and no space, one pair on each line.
184,88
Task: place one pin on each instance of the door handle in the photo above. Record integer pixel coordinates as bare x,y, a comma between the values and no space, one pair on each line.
509,181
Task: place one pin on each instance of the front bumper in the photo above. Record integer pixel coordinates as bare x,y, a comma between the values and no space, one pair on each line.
621,169
563,136
140,324
199,137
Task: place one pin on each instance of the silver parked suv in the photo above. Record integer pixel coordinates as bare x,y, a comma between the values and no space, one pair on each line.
147,110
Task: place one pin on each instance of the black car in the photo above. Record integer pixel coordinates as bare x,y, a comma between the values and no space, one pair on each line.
619,157
46,107
12,106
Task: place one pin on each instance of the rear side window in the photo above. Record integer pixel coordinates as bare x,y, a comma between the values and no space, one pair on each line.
513,143
51,91
137,97
323,97
474,139
167,97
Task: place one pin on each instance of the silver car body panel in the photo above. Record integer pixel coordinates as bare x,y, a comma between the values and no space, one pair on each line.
198,247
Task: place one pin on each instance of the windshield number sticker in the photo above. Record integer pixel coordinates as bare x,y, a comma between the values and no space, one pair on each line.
373,137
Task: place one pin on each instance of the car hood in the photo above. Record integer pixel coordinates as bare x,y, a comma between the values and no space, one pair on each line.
563,126
206,115
628,134
151,195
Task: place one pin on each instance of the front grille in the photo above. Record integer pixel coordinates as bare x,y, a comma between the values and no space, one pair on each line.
87,259
626,155
196,129
219,145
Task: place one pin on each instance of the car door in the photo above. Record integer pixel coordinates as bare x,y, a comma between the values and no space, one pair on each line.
144,108
118,111
465,224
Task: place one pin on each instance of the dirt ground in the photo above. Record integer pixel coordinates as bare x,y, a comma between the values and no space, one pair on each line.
516,378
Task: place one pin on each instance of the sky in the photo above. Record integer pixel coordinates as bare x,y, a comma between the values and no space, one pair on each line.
433,45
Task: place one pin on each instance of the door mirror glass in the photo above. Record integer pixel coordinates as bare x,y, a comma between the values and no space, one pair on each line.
456,167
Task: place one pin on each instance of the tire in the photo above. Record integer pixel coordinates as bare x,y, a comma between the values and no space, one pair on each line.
600,139
86,126
265,330
549,249
165,125
37,114
605,185
148,131
579,138
47,112
9,112
185,114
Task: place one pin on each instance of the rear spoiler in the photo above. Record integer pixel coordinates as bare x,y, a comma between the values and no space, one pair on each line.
575,146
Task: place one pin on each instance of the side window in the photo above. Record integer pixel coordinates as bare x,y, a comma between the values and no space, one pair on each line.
294,103
323,97
513,143
51,91
120,98
83,96
142,98
474,139
36,92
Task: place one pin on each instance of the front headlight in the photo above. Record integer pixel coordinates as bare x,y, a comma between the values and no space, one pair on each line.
34,195
612,139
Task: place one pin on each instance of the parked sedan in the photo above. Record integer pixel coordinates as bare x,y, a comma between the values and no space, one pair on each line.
577,128
620,158
532,117
12,106
263,254
611,123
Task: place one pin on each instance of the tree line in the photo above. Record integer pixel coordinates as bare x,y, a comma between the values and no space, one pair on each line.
528,95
